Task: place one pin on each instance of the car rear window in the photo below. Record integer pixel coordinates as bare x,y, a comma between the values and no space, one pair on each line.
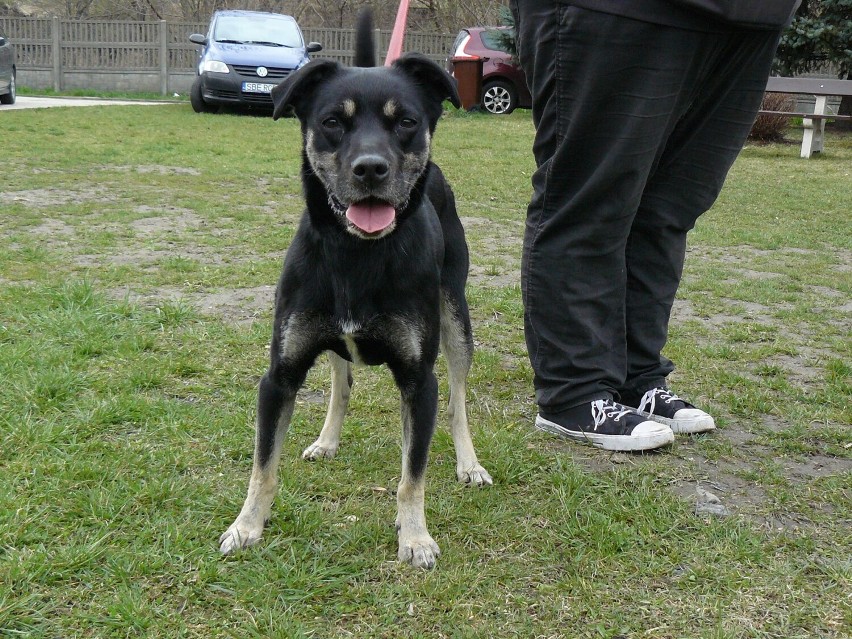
495,39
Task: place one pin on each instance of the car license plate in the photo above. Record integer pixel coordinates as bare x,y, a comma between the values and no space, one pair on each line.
257,87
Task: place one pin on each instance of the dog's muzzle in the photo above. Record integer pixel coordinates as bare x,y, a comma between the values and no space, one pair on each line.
370,171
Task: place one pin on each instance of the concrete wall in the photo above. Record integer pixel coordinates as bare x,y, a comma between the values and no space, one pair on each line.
120,81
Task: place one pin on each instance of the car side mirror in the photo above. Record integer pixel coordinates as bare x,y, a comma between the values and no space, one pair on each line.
197,38
313,47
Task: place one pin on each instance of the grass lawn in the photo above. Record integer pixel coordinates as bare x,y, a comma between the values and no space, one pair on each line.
139,248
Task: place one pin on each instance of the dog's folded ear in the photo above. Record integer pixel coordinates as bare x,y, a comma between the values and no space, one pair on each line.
426,73
300,85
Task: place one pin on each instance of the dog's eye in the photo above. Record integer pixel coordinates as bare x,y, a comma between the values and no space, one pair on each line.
331,123
408,123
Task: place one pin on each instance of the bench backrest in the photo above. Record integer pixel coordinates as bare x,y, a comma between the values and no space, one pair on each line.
813,86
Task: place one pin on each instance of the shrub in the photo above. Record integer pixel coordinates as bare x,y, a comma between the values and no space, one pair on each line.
770,128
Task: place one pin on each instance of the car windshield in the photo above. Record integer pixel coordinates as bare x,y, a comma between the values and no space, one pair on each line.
275,32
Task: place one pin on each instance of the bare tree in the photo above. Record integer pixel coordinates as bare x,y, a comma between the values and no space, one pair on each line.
424,15
77,8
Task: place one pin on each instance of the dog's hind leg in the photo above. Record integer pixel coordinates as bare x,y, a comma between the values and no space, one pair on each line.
419,408
341,386
457,346
275,402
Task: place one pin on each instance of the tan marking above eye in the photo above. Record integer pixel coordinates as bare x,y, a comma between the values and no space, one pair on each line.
390,108
349,108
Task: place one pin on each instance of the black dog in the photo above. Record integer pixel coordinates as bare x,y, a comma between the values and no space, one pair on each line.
375,275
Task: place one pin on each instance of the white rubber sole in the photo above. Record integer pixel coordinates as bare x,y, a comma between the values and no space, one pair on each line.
646,436
687,421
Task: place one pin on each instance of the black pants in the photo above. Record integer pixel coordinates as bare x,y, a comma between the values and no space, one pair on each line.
637,125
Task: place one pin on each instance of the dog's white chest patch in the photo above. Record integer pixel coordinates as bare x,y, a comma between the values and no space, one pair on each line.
347,334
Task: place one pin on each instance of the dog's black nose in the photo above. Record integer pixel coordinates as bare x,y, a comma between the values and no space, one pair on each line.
370,170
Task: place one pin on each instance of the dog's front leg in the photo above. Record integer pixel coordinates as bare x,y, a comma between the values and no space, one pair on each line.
419,408
457,345
274,409
341,386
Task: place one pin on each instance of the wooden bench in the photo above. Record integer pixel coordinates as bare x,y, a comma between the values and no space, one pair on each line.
813,123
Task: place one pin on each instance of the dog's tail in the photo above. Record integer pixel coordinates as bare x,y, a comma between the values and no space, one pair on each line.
365,47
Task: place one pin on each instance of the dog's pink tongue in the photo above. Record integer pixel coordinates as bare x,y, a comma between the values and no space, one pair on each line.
371,217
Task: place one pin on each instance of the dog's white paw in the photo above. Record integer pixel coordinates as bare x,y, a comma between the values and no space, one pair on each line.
239,535
420,551
317,450
475,476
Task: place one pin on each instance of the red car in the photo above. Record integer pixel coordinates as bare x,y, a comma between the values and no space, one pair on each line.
504,86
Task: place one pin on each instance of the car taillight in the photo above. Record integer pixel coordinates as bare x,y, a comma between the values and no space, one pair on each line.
460,52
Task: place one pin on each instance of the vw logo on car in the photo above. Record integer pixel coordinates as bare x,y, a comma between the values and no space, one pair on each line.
262,72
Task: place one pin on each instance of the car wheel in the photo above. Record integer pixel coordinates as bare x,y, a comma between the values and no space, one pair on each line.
196,99
499,97
9,98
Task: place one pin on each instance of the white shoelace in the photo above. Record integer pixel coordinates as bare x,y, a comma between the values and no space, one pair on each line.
649,399
601,409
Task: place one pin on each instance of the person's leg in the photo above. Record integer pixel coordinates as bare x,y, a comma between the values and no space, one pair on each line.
685,183
605,101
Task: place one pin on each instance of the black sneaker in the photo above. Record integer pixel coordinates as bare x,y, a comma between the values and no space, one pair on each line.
667,408
608,425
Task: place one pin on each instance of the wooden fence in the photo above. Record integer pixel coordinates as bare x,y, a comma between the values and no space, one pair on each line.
149,56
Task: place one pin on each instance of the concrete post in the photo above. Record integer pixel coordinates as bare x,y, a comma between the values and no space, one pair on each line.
56,49
814,130
164,57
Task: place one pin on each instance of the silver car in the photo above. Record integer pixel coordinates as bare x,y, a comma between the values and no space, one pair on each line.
7,71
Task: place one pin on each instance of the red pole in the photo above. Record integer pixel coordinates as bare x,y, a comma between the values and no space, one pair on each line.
395,46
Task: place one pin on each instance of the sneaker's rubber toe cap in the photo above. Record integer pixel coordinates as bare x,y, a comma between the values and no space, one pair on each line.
692,420
645,436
